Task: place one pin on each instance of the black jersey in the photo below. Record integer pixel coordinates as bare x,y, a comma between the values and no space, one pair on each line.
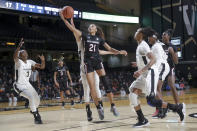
62,73
91,45
170,59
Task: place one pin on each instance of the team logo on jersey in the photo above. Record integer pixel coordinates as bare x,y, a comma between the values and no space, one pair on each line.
97,38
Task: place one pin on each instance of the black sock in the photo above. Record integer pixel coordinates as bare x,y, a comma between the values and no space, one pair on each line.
101,103
88,107
140,115
112,104
106,84
63,103
172,107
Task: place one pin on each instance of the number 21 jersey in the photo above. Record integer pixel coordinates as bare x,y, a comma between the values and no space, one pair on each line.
91,45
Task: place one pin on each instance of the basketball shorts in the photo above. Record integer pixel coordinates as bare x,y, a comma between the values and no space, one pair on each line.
147,83
164,70
63,85
92,64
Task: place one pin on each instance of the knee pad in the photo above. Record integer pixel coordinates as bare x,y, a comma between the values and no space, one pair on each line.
133,99
108,89
152,101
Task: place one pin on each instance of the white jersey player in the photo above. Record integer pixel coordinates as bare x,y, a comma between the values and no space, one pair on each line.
163,66
23,69
146,81
164,69
161,58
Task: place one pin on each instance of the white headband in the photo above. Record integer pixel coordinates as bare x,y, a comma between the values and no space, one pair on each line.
20,52
154,36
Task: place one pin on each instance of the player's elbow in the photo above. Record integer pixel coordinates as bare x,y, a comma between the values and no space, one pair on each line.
42,67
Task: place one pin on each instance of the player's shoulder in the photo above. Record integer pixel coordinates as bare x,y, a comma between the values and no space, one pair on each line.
30,61
65,67
144,44
158,44
171,45
19,61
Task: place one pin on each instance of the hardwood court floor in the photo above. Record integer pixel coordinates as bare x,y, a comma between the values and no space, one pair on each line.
56,119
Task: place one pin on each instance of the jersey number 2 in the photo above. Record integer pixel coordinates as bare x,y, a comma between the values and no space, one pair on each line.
92,48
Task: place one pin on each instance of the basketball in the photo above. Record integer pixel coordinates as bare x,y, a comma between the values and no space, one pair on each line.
68,12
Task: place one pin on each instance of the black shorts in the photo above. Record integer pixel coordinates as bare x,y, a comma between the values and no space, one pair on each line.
92,64
63,85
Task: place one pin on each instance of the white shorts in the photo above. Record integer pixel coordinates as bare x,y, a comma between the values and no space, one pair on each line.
86,87
164,70
27,91
147,83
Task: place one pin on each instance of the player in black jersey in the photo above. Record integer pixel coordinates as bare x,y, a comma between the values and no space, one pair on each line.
61,76
171,51
93,62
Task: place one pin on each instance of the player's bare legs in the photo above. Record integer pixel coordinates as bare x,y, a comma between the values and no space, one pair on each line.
91,82
69,94
171,82
159,97
108,90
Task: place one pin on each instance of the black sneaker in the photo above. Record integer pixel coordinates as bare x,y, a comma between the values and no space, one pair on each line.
37,117
163,113
181,111
89,115
141,123
38,121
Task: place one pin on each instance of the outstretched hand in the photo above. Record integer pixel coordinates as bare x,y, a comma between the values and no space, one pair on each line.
21,43
41,57
123,52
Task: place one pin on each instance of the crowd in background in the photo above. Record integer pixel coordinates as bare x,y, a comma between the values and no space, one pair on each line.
119,81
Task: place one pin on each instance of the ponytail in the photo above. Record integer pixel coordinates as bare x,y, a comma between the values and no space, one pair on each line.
100,33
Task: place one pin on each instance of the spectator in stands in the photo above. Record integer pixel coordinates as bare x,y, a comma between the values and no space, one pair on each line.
12,99
122,92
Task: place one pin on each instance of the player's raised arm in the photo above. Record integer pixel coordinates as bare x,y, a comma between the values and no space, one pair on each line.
71,27
17,50
42,65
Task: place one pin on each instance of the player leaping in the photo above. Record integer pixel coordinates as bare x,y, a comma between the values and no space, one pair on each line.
23,69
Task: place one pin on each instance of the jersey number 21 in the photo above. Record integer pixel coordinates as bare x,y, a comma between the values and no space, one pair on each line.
92,48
